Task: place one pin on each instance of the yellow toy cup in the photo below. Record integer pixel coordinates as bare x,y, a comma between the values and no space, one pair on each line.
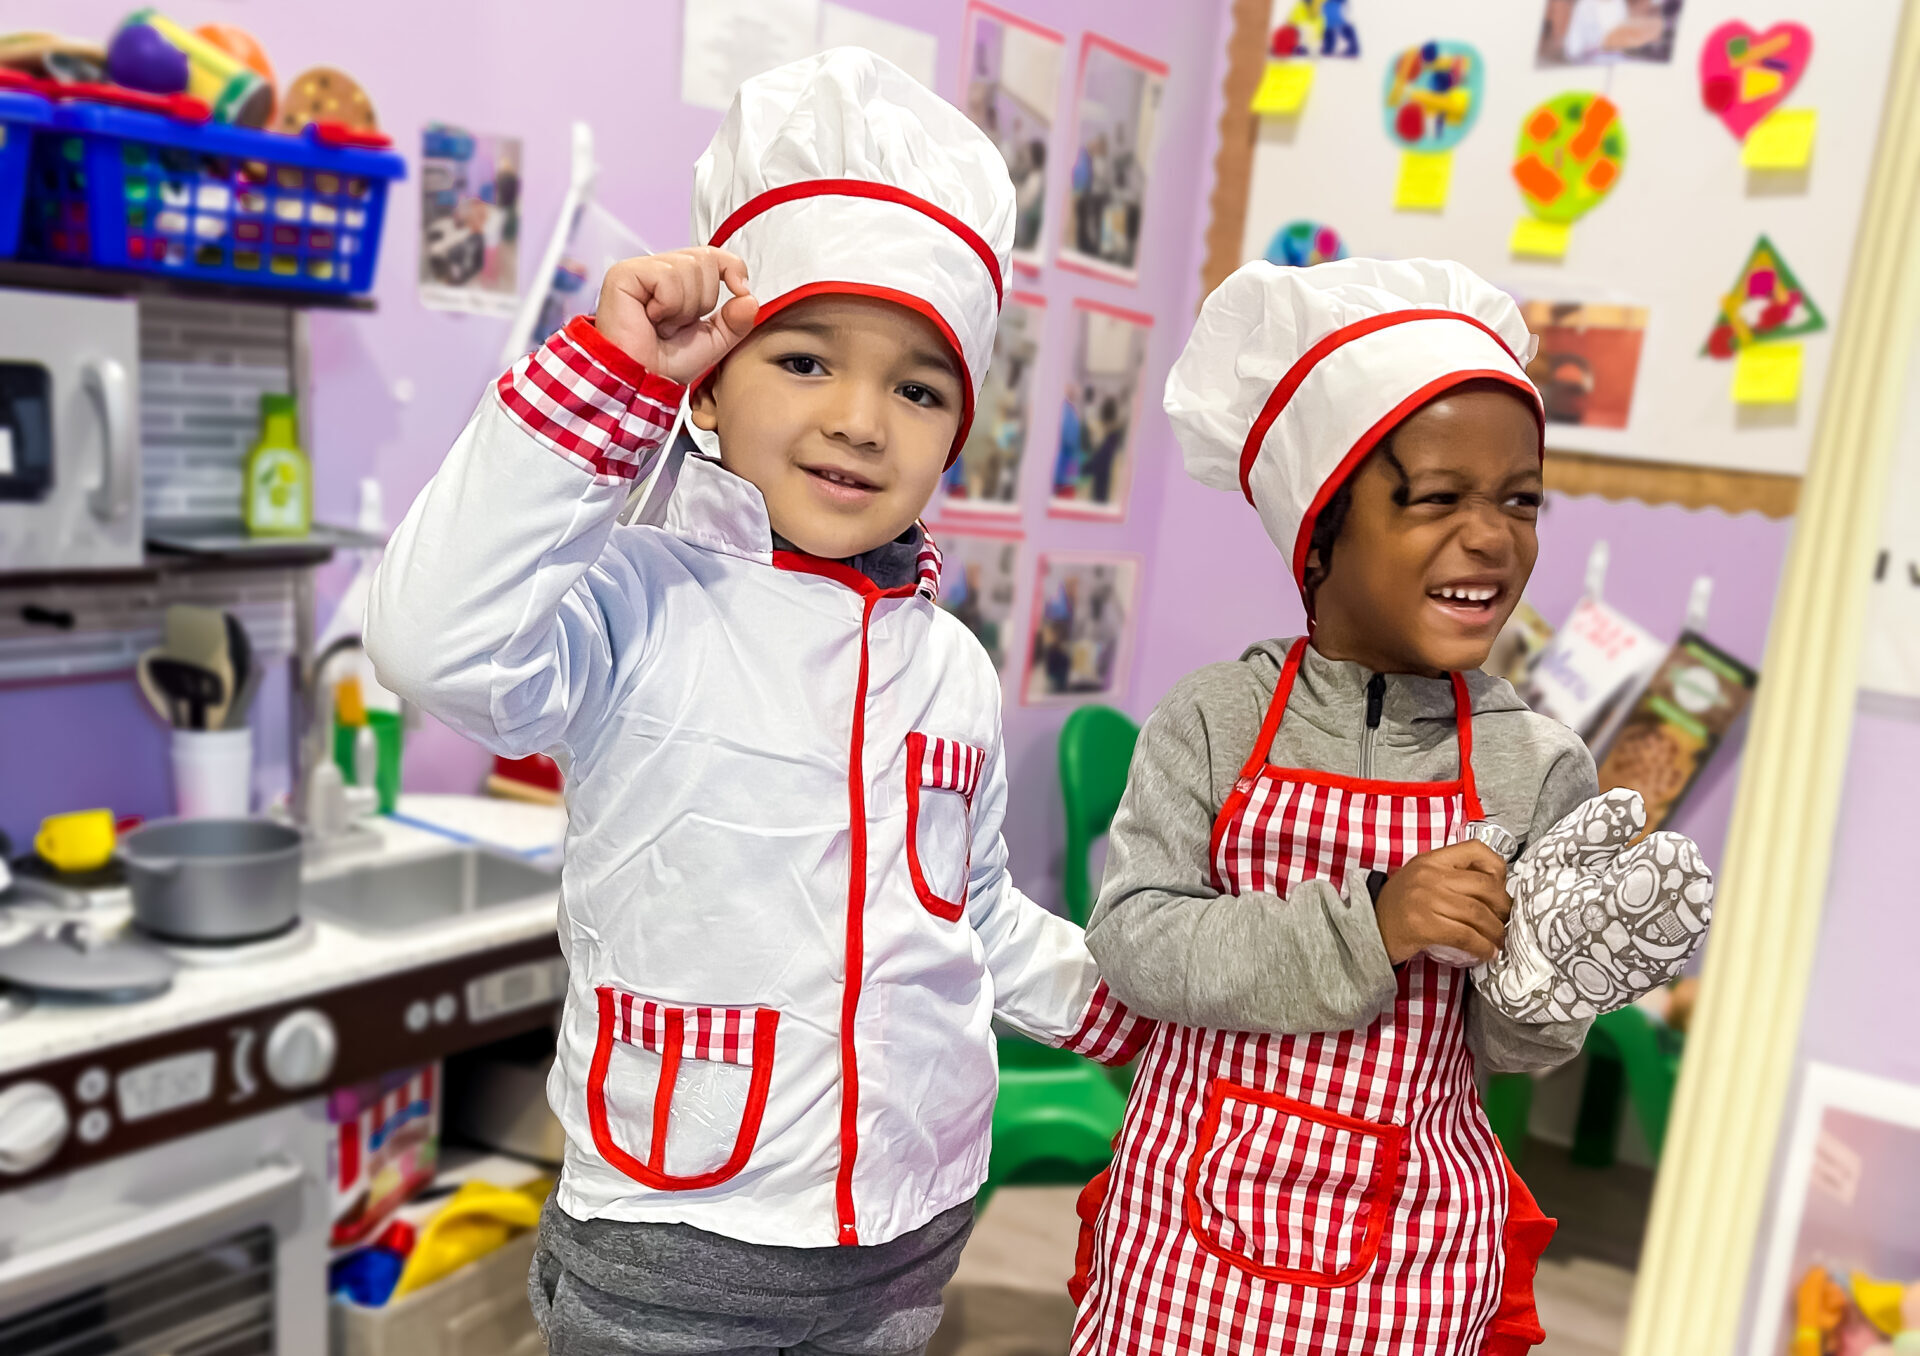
80,841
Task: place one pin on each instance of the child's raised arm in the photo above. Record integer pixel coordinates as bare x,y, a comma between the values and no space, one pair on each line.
496,607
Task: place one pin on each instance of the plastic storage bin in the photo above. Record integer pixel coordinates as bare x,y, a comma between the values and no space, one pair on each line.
480,1310
124,189
21,115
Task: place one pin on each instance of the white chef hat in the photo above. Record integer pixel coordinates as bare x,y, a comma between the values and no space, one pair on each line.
841,173
1293,375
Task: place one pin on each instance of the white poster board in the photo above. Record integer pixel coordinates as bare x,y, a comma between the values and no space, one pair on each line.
1672,235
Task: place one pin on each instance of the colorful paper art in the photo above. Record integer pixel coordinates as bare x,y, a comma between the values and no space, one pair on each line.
1745,75
1767,305
1571,151
1433,95
1301,243
1316,28
1283,88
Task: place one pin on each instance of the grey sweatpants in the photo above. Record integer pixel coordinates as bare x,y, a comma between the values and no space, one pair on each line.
608,1288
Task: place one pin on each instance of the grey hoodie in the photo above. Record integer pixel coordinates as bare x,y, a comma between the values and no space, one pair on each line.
1172,947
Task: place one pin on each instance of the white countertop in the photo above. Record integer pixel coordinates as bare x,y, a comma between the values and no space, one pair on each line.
334,957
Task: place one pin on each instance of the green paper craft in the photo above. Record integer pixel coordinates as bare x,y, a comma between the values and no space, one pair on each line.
1767,305
1571,151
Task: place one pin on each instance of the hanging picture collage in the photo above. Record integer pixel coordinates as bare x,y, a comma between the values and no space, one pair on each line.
1054,436
1578,93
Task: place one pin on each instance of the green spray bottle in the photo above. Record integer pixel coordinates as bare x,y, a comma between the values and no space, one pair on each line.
278,498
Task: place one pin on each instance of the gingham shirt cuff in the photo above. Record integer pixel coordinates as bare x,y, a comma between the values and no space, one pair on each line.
1108,1033
586,400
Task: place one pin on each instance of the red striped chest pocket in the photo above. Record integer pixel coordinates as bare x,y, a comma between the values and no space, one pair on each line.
942,775
676,1092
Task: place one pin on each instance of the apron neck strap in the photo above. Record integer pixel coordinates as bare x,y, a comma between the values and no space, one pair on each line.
1277,707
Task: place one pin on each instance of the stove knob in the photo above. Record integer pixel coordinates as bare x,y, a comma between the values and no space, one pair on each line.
33,1126
301,1048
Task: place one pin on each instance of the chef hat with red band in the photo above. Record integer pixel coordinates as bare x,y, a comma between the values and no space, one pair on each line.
1293,375
841,173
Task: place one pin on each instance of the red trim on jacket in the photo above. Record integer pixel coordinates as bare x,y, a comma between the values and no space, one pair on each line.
861,188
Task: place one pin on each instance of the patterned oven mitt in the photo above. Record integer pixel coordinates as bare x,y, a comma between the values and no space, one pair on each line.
1597,923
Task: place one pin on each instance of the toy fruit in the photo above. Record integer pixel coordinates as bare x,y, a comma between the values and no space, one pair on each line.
139,58
241,45
1570,154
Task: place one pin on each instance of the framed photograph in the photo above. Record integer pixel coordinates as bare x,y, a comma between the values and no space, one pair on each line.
1117,117
1843,1245
1594,32
1081,636
1588,360
469,221
1011,87
985,482
1093,459
978,576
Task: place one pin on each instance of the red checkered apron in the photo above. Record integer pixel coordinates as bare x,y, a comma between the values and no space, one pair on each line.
1335,1192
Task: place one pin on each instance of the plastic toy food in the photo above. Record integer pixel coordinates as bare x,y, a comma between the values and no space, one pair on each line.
324,94
1570,154
235,93
241,45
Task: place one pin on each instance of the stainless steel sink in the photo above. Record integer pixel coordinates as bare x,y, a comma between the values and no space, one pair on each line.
402,896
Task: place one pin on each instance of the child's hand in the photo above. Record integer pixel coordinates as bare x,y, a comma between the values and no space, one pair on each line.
1454,897
655,307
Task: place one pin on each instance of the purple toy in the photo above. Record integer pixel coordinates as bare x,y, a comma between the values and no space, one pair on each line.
141,59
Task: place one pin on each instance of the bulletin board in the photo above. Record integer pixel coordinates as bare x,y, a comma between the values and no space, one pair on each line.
1671,237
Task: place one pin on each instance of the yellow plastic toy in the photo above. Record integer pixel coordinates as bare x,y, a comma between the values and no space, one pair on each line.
1879,1301
477,1219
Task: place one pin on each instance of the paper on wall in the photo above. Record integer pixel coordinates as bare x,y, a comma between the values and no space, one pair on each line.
724,42
1030,68
1592,668
914,51
1836,1168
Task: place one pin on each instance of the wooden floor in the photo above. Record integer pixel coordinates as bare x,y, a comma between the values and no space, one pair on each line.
1009,1297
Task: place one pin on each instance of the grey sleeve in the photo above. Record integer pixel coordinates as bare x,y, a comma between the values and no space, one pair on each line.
1499,1043
1171,947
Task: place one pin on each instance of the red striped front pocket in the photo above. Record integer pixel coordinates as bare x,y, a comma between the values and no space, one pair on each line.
942,775
1289,1191
675,1093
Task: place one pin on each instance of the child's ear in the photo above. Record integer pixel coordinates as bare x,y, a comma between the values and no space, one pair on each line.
702,409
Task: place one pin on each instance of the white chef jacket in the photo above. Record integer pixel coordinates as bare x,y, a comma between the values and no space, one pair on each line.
785,905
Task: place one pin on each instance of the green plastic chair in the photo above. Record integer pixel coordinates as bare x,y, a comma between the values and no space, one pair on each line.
1627,1052
1057,1113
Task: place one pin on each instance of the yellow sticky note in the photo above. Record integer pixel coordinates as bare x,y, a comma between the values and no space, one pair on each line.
1425,177
1767,374
1283,89
1541,239
1783,140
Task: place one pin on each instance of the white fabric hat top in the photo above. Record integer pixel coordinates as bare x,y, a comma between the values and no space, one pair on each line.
841,173
1293,375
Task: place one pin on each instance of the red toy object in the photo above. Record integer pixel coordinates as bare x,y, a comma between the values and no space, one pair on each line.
182,107
340,134
536,778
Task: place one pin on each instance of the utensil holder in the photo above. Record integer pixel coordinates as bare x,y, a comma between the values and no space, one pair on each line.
213,773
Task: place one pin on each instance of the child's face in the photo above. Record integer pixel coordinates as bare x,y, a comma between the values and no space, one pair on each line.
1425,571
841,411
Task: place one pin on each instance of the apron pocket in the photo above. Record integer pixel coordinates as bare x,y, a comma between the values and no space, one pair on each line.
941,777
683,1087
1289,1191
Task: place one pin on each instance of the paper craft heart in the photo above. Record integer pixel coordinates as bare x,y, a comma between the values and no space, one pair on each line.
1745,75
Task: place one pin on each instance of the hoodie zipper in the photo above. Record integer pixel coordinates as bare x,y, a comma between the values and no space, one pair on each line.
1376,698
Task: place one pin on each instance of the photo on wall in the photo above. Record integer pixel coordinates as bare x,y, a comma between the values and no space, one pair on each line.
986,479
469,221
1093,460
1117,111
1594,32
1842,1266
1011,87
1082,630
1588,360
978,575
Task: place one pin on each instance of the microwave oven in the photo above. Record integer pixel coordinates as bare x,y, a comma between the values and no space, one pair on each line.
69,433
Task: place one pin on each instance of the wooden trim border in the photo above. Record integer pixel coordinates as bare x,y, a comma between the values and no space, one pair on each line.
1655,482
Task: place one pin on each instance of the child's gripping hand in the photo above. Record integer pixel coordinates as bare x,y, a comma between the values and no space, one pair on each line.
659,310
1453,898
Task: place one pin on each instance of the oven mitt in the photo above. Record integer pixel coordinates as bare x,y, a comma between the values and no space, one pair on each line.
1598,919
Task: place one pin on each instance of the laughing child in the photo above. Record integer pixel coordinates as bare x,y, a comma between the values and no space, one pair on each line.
1305,1166
785,906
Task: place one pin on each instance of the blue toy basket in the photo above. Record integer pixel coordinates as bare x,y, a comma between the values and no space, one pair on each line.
125,189
21,115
